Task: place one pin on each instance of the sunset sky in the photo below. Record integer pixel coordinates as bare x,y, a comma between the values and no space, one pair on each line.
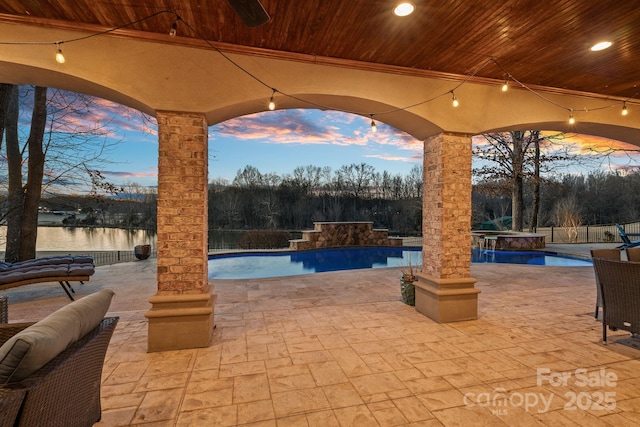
274,141
279,141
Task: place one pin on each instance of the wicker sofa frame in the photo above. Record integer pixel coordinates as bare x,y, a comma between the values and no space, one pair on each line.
620,283
66,391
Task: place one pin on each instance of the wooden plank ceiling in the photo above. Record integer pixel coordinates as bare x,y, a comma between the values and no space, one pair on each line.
537,42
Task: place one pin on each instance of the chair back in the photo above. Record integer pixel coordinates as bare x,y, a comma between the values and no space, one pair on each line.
613,253
633,254
620,283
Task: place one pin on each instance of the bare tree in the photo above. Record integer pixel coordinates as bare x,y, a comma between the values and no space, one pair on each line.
567,215
511,158
56,151
22,215
357,178
415,182
535,208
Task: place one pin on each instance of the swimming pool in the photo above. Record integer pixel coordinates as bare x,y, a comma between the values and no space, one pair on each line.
277,264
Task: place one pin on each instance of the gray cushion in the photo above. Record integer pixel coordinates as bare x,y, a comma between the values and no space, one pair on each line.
83,259
81,269
32,348
54,260
16,275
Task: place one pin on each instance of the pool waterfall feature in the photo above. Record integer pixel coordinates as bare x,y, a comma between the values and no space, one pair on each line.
332,234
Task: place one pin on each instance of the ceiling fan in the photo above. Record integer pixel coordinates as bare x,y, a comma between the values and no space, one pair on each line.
251,12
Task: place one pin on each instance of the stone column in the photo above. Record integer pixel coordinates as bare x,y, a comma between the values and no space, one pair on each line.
181,315
445,291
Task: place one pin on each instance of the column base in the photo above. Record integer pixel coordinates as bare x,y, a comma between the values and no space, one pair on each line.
446,300
178,322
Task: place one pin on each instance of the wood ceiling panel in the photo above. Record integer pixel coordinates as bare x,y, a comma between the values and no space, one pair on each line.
538,42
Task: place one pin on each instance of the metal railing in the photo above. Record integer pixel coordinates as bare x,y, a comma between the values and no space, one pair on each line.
606,233
99,257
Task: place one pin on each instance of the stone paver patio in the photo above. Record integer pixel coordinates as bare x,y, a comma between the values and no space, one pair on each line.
340,349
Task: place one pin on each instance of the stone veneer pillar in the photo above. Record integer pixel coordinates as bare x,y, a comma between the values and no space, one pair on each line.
181,315
445,291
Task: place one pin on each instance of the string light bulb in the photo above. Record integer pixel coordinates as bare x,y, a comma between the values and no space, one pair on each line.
624,109
454,101
60,59
373,125
572,121
505,86
272,104
174,29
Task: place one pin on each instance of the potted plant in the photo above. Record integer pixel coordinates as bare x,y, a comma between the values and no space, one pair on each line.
407,289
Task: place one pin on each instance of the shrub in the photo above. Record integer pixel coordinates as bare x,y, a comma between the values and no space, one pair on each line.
264,239
609,237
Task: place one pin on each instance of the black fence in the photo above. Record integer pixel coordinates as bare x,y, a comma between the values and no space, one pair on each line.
607,233
114,257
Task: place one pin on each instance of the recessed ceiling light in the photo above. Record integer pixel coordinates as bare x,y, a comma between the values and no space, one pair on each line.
404,9
600,46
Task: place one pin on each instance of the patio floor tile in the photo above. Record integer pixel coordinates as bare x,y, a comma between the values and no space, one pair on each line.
340,349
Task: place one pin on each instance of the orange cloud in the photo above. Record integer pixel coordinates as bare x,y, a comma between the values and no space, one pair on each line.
593,144
298,127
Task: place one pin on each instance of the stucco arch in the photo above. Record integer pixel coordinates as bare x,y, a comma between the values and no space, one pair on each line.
408,122
20,74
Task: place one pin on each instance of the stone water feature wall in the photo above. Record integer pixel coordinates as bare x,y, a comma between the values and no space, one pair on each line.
333,234
507,241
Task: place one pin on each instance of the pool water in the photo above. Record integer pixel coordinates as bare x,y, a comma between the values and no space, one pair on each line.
277,264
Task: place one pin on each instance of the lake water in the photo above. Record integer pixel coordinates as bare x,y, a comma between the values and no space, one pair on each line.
87,239
79,239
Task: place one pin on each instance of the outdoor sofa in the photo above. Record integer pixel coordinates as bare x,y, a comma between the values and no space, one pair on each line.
51,371
61,269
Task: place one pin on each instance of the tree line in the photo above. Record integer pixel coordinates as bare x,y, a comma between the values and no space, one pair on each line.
292,203
518,174
596,198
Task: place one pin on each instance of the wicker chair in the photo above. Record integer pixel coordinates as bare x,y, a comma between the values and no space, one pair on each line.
613,254
633,254
4,309
65,391
620,282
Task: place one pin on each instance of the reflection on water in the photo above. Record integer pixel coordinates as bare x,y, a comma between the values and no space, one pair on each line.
112,239
88,239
